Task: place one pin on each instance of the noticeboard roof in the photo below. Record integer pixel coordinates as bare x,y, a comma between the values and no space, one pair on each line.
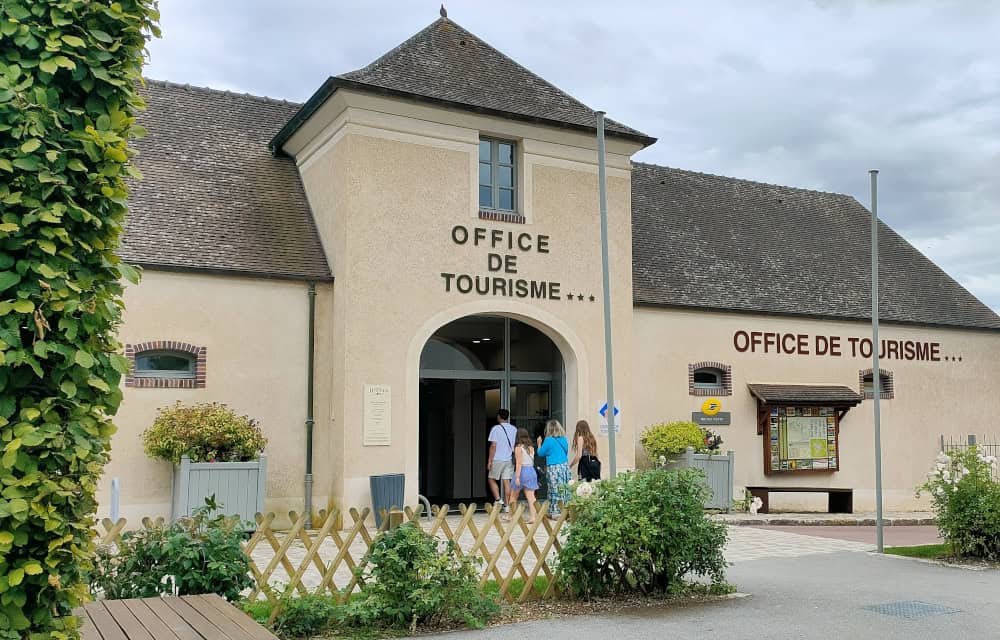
807,394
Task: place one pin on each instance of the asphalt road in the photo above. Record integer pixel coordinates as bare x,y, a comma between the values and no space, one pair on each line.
816,596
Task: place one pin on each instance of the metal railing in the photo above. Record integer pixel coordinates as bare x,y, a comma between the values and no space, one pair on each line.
987,444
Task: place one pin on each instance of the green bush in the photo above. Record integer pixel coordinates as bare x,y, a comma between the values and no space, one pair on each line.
642,531
672,438
307,616
202,553
965,491
205,433
410,581
69,78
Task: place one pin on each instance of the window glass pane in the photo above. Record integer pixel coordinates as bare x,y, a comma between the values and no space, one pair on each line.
506,153
474,342
484,150
485,197
163,362
485,173
506,199
707,376
505,176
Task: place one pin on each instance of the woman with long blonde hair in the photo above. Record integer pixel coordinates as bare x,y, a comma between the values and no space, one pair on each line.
585,461
555,448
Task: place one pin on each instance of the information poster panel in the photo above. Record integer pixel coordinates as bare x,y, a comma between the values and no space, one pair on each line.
378,415
803,439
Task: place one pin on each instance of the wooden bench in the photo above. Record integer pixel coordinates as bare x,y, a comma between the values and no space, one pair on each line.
838,500
205,617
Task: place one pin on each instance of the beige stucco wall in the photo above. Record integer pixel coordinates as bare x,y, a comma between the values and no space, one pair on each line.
387,183
255,331
931,398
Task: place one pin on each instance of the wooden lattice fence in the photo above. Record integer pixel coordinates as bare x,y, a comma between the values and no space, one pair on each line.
326,558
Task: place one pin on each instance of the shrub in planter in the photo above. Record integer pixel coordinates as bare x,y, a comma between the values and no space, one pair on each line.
409,580
642,531
966,495
672,438
205,433
202,553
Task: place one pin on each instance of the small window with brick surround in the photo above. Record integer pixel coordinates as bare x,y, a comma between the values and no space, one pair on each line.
166,364
885,380
710,379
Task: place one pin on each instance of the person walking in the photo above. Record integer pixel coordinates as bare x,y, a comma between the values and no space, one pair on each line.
585,461
500,467
555,448
525,479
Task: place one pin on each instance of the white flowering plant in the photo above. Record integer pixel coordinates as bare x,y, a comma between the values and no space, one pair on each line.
964,486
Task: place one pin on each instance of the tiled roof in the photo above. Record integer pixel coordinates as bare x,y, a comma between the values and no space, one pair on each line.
805,394
446,64
708,241
212,198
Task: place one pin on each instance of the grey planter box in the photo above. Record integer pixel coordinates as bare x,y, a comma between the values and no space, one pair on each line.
238,486
718,472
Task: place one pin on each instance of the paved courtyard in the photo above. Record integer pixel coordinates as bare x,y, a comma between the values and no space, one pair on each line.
745,544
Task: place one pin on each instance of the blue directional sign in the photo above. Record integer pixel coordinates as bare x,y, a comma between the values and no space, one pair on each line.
604,410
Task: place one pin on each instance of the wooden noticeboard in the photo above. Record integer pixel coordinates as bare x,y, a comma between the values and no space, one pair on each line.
801,440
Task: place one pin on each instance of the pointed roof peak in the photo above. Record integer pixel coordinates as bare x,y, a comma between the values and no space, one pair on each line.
446,64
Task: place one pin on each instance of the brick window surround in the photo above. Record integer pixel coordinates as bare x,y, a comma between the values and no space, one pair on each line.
885,379
727,379
200,360
501,216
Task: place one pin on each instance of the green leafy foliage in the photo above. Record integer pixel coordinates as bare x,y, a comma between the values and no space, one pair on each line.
202,553
68,76
671,438
410,581
205,433
307,616
965,489
642,531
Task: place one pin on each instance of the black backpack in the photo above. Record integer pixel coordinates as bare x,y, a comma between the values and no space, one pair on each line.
589,468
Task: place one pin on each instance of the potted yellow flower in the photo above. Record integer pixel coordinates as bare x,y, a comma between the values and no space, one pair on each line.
214,452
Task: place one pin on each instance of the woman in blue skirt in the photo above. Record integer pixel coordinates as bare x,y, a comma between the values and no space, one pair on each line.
525,479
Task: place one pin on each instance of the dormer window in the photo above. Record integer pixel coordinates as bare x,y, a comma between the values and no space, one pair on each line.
497,175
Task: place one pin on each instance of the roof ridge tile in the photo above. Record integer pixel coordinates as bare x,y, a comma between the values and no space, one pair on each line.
235,94
744,180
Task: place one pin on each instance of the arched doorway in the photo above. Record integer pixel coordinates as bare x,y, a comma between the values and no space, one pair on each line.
469,369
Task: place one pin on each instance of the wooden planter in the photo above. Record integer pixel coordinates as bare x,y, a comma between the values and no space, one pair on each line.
718,471
239,487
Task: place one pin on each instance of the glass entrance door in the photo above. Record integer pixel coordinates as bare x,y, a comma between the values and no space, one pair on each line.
469,370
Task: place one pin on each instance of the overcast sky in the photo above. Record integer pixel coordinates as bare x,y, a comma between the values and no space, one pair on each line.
807,94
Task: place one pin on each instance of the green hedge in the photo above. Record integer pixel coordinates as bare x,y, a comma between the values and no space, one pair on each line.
68,74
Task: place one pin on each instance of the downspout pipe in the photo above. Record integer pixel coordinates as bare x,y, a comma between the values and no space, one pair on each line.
310,422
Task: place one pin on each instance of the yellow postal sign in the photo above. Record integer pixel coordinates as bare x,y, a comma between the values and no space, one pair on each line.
711,406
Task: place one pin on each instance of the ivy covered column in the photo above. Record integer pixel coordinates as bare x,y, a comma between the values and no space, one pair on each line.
69,70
